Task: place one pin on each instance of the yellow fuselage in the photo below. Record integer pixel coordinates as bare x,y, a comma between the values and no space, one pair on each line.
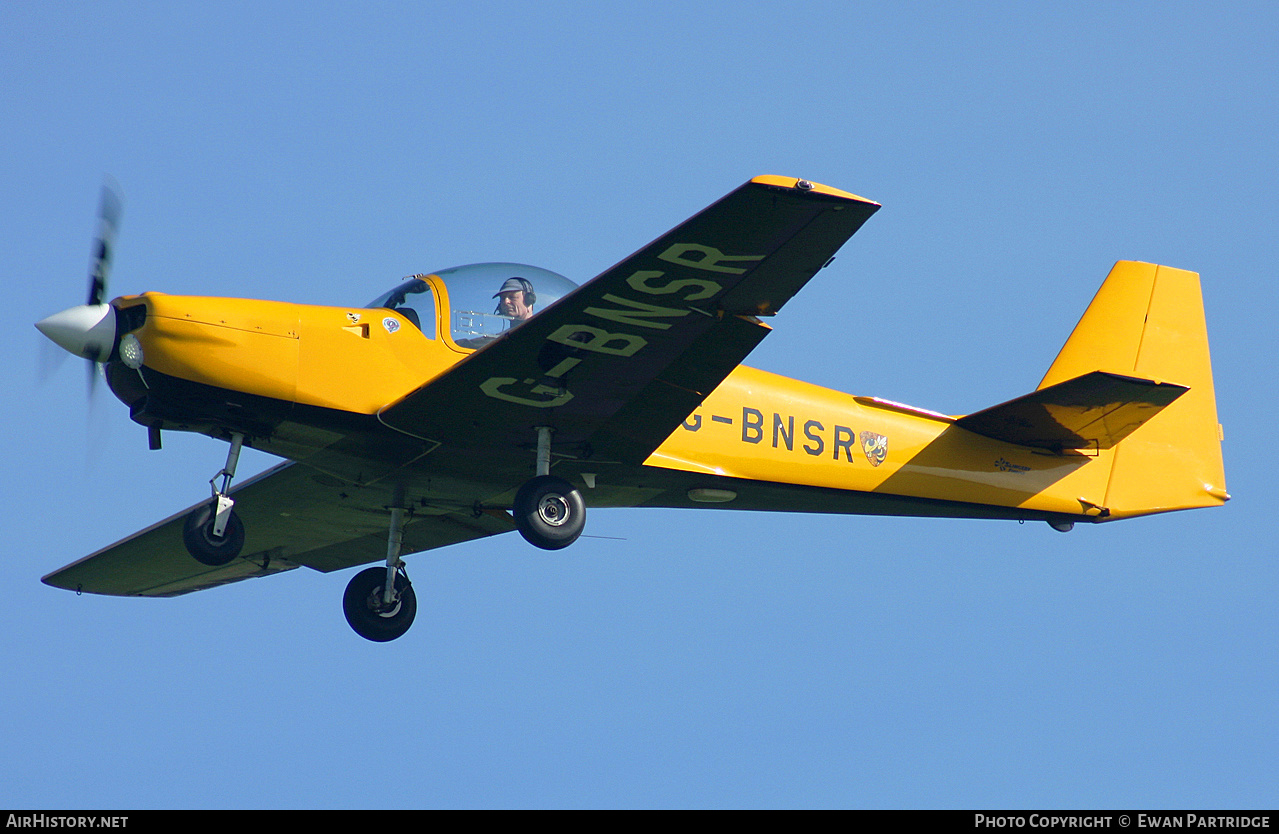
755,426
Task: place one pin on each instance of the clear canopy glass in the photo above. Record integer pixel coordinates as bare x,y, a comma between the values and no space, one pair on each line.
476,313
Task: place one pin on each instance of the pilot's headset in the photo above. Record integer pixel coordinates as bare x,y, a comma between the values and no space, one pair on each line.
514,284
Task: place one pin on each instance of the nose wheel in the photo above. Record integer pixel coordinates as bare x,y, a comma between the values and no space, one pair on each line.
207,547
213,533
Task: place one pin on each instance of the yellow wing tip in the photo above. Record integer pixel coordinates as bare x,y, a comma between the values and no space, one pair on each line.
808,185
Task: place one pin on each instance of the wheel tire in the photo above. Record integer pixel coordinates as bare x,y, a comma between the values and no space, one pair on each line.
549,512
362,604
206,548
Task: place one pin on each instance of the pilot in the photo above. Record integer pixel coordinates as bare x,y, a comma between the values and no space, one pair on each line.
515,300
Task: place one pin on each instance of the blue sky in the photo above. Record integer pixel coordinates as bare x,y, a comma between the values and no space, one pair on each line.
318,152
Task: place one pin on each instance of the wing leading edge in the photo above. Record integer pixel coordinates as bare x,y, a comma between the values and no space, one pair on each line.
616,365
294,517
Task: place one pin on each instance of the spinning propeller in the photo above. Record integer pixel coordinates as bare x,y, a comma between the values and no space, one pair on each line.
89,330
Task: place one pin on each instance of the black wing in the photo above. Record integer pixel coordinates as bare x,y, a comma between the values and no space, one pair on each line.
615,366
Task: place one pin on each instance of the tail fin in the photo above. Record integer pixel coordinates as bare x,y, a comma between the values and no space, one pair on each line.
1147,321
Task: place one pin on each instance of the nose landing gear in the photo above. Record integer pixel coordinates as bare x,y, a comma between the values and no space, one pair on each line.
206,546
213,533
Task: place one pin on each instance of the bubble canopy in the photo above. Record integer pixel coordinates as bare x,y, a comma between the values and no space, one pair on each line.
474,314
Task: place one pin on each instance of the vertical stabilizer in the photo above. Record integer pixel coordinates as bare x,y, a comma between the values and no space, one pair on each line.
1147,321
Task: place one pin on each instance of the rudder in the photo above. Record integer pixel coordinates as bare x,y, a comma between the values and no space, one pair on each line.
1148,321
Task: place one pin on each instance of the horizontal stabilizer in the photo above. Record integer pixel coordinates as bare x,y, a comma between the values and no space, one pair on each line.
1089,412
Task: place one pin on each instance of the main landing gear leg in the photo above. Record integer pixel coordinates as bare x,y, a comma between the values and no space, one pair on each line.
213,533
549,511
379,602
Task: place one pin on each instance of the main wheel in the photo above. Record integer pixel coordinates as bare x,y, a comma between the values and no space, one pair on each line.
549,512
206,548
369,615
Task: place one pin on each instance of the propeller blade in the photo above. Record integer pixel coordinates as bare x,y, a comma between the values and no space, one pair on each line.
89,330
109,207
51,358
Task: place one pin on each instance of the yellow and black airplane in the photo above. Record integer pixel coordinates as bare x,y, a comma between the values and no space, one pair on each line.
495,397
